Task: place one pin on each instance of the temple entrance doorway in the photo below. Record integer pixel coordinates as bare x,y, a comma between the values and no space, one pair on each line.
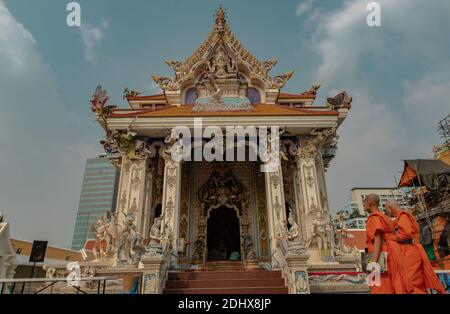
223,235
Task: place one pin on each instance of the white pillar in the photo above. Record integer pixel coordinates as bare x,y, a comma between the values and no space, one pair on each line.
171,202
301,212
309,187
146,216
275,205
132,188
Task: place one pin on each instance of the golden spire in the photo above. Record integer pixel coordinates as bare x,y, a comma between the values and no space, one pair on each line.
221,14
221,19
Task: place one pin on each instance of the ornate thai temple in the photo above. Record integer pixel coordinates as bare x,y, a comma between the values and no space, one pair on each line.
178,216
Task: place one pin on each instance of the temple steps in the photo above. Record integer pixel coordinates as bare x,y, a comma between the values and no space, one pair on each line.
224,265
226,282
236,274
251,290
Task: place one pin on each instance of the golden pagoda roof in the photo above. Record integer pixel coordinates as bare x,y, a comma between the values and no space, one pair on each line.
221,34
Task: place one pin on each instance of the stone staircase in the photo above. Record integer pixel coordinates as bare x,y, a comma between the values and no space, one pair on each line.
224,265
226,278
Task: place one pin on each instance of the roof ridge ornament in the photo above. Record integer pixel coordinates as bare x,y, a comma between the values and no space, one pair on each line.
224,55
221,20
341,101
280,80
312,90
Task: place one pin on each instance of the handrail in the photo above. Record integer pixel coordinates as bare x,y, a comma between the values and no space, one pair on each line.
244,261
204,258
285,271
164,271
21,280
52,281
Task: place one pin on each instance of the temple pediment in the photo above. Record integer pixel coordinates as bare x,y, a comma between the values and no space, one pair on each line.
221,63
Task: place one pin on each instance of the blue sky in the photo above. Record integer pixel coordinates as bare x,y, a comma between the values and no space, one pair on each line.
398,75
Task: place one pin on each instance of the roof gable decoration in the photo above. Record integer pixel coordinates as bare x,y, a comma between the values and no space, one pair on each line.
223,58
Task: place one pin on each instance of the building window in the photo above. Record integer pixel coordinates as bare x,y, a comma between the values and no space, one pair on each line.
191,96
253,95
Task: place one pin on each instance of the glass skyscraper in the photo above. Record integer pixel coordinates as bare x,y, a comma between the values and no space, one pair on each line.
98,195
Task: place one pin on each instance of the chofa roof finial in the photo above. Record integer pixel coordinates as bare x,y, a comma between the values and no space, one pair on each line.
221,17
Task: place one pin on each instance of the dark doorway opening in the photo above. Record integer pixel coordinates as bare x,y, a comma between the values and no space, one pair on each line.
223,238
158,210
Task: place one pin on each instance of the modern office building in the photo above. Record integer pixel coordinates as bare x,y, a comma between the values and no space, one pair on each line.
98,195
385,193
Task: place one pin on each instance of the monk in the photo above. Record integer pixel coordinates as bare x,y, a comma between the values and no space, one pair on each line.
418,267
381,238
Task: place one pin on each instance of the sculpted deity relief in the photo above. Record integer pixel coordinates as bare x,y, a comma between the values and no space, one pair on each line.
223,188
105,231
125,239
222,66
119,241
301,282
123,141
247,240
342,234
172,148
293,232
320,229
154,247
310,145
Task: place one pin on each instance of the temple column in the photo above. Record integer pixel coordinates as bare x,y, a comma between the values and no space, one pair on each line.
132,188
146,216
314,214
275,206
171,203
324,198
299,203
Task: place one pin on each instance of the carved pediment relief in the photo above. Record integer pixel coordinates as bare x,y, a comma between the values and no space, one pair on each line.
223,189
223,55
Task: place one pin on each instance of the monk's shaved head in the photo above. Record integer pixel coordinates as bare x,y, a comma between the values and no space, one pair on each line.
371,202
392,208
373,199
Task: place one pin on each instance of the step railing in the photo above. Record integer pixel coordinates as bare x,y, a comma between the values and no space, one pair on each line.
41,285
284,267
164,270
244,261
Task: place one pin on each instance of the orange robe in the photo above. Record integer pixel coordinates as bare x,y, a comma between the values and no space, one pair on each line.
417,265
395,280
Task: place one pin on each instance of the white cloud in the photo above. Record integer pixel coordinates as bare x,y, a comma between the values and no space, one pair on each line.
92,36
304,7
39,193
429,97
15,55
76,153
379,131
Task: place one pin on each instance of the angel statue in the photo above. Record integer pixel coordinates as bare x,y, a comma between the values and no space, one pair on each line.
98,104
294,231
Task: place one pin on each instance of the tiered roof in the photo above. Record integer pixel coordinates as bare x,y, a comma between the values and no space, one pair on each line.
187,72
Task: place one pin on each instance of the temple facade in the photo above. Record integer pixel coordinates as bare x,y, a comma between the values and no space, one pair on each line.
260,201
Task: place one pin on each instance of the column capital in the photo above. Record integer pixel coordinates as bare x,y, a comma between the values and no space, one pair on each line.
172,150
309,147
